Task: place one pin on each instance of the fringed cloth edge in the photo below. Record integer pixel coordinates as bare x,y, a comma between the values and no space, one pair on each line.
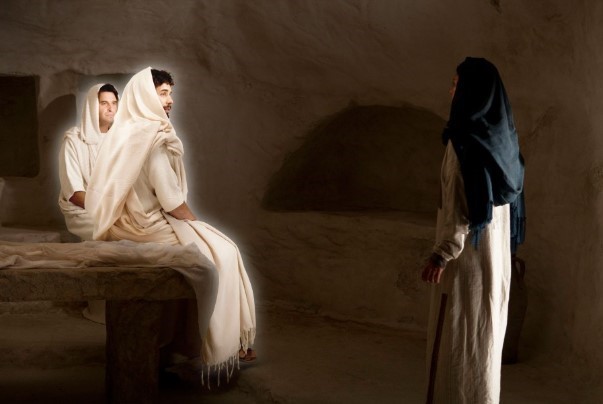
203,371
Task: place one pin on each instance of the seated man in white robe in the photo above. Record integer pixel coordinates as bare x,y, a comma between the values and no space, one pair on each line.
76,160
78,154
138,192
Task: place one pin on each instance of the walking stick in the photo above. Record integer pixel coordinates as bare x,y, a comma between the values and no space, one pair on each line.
436,349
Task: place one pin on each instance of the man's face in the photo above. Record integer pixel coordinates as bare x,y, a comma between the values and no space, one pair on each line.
164,91
107,107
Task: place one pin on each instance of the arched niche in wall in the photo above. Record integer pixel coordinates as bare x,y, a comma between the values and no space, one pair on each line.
22,122
19,154
364,158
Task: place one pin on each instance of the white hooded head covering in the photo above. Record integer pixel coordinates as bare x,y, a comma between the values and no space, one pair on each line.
89,126
140,125
140,100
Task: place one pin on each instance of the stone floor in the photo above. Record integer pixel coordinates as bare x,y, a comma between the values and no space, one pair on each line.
57,357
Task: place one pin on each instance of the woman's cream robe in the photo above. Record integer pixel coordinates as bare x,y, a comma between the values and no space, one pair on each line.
477,282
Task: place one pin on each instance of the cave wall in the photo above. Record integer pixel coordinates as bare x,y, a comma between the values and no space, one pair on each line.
254,77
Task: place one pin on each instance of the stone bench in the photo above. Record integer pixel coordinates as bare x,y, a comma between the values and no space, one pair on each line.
134,304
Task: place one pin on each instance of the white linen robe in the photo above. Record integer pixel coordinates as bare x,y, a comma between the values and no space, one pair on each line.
159,187
126,195
477,283
76,159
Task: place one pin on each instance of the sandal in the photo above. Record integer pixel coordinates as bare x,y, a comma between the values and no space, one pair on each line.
248,356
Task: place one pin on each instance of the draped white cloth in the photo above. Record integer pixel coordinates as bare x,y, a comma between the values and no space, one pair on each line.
184,259
101,254
141,131
477,283
76,160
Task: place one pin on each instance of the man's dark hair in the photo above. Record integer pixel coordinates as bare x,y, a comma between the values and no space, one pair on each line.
161,77
108,88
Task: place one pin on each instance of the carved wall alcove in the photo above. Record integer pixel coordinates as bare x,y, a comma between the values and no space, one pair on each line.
364,158
19,155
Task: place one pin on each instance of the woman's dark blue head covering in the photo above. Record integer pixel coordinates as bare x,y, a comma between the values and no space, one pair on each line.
484,138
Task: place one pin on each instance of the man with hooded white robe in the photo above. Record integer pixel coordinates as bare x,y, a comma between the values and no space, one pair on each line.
76,159
137,189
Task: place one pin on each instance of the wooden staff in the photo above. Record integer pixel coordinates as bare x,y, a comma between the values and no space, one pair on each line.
436,349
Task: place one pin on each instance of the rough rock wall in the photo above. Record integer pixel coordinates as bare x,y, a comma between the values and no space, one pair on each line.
253,77
365,158
549,51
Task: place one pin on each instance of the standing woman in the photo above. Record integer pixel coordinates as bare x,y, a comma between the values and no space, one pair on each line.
480,220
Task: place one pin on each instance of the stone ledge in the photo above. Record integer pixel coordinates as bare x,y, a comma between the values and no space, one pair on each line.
92,283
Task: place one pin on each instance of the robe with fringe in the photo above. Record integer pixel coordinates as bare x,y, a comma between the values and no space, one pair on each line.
139,170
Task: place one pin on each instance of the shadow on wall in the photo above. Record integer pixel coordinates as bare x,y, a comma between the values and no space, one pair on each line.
361,159
55,119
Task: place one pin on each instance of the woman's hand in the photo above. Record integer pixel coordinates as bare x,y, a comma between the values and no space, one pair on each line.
433,270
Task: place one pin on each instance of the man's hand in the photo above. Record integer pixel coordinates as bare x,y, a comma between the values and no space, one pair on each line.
432,272
183,212
78,198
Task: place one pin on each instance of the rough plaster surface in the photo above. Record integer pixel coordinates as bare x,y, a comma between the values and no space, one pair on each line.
346,265
363,158
254,77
